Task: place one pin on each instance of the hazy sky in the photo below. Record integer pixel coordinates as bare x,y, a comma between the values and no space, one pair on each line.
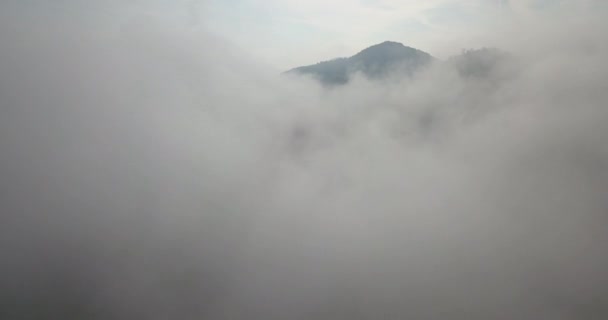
289,33
294,32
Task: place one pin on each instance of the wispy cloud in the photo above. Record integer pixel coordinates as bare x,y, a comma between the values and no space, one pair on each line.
153,172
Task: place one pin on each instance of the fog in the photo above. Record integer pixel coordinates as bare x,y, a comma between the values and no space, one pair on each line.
154,171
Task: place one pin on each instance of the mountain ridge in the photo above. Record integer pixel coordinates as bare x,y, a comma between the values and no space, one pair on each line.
376,61
390,60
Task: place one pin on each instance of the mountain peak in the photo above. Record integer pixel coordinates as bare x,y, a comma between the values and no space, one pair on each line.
385,48
390,43
375,62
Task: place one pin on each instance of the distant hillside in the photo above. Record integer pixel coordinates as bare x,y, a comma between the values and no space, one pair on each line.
483,63
375,62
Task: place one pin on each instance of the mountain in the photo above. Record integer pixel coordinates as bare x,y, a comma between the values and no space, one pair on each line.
483,63
375,62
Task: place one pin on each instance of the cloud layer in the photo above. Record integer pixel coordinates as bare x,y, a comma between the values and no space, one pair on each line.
152,171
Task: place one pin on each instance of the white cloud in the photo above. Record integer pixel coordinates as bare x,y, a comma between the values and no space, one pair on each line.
155,172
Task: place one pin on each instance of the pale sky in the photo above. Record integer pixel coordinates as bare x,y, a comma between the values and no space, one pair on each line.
295,32
290,33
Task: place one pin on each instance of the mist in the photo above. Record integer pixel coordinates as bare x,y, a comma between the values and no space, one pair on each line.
153,170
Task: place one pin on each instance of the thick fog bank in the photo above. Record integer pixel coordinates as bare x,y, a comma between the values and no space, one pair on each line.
157,172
